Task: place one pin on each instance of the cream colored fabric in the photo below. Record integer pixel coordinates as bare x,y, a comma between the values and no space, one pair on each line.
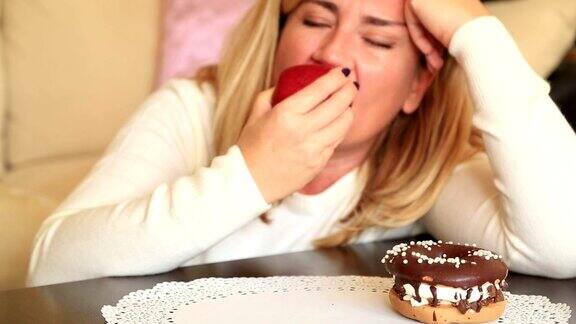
54,179
77,70
543,29
2,104
20,217
27,196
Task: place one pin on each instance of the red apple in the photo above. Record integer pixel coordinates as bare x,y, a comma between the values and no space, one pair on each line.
294,78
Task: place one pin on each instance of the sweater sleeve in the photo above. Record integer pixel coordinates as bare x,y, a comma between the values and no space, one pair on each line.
518,198
153,201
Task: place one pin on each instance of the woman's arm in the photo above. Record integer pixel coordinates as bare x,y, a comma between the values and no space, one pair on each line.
519,201
152,202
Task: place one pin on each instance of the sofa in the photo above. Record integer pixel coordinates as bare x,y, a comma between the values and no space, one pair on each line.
73,72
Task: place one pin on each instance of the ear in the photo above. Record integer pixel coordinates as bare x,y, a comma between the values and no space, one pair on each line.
421,83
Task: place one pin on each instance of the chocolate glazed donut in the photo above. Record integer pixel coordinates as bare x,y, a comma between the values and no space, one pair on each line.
438,282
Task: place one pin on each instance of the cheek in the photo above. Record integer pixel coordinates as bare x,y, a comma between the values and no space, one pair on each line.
383,93
369,121
294,48
386,91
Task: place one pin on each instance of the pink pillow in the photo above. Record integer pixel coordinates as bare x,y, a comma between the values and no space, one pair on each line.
193,34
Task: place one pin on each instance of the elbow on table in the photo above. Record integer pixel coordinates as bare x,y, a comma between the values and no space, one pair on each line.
560,272
558,258
561,266
557,264
563,274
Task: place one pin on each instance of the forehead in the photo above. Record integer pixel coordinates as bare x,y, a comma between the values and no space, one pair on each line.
383,8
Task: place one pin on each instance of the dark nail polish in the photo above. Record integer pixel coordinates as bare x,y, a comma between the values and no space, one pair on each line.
357,85
346,71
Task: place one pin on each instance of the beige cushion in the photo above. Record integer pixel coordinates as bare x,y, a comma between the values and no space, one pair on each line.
54,179
77,70
2,105
20,217
27,196
543,29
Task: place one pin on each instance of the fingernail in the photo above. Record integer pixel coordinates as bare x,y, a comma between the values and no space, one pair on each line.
346,71
357,85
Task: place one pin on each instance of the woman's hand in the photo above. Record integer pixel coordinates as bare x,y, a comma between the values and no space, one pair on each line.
432,23
286,147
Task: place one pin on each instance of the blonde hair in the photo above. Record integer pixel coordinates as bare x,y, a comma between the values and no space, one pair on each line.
407,166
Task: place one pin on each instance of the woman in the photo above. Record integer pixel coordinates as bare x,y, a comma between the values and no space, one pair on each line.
186,180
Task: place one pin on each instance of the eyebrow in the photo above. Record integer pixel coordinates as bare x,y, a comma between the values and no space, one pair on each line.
333,8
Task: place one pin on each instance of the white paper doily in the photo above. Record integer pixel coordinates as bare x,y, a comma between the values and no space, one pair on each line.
299,299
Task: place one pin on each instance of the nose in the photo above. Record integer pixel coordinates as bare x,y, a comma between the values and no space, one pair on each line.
335,50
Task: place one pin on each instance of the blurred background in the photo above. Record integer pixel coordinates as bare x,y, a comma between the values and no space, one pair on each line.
73,72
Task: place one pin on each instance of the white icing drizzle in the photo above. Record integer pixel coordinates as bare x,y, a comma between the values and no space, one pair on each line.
445,294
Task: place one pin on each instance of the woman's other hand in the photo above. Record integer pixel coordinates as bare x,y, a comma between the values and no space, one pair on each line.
432,23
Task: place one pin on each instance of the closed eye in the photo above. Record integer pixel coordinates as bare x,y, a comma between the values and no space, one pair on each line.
314,24
373,43
311,23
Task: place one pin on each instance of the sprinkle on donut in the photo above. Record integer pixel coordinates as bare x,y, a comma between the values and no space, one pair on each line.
427,246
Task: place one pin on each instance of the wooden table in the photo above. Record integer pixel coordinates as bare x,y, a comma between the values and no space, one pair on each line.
80,302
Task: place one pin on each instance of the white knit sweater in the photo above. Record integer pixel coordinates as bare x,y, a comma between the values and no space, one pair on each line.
156,202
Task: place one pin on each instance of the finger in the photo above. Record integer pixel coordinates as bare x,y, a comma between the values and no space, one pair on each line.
435,58
434,61
332,134
316,92
419,38
262,105
429,46
416,30
424,40
331,108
